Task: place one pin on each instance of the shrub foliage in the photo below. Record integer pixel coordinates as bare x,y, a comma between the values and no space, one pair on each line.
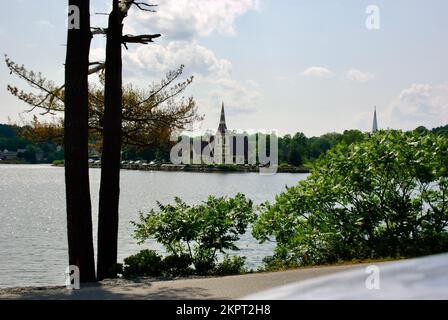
193,236
386,196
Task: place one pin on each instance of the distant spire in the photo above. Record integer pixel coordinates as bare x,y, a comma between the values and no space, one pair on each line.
375,122
222,122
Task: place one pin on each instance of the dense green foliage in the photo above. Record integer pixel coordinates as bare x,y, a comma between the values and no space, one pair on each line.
372,196
149,263
443,131
230,265
197,234
9,138
146,263
386,196
298,149
12,140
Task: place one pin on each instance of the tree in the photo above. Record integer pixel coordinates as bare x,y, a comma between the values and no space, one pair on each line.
76,101
143,118
294,157
283,147
421,130
149,115
386,196
111,155
112,135
441,130
197,232
352,136
10,138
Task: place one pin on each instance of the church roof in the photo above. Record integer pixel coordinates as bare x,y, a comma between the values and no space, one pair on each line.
222,122
375,123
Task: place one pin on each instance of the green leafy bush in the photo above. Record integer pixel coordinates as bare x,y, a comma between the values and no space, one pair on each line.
174,265
146,263
284,165
231,265
384,197
198,232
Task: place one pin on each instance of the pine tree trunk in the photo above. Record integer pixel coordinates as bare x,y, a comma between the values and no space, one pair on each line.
79,213
111,154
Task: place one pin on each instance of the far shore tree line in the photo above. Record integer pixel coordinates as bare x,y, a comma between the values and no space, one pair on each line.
294,150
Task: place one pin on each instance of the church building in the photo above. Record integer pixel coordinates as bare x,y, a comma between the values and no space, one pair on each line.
222,141
227,146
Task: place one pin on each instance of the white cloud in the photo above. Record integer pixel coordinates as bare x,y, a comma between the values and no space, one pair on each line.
213,75
159,59
358,76
240,96
420,104
318,72
184,19
182,24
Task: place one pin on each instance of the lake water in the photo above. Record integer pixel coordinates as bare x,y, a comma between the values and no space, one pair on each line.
33,244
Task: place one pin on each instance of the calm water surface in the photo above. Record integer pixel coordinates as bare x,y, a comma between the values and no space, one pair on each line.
33,244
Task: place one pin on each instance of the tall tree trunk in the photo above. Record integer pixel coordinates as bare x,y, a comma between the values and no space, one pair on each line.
79,211
111,154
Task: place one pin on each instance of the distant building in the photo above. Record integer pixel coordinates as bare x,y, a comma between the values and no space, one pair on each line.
228,147
8,155
222,143
375,122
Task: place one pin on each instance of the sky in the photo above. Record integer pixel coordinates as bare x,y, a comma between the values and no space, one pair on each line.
290,65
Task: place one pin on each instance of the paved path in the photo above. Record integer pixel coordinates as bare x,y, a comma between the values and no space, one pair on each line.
232,287
413,279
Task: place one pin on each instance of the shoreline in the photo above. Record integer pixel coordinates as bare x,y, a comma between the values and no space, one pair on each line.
118,281
183,168
201,169
198,288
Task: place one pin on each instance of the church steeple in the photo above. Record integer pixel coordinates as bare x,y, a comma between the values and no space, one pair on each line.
375,122
222,122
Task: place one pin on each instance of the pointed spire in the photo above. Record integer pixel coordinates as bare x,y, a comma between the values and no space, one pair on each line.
375,122
222,122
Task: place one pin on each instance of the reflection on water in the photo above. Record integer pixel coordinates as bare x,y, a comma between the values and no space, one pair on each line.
33,244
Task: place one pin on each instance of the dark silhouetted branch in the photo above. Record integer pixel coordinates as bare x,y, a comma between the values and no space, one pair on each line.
143,39
144,6
96,31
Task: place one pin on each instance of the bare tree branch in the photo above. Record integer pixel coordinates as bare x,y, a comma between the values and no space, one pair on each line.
99,67
144,39
97,31
144,6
